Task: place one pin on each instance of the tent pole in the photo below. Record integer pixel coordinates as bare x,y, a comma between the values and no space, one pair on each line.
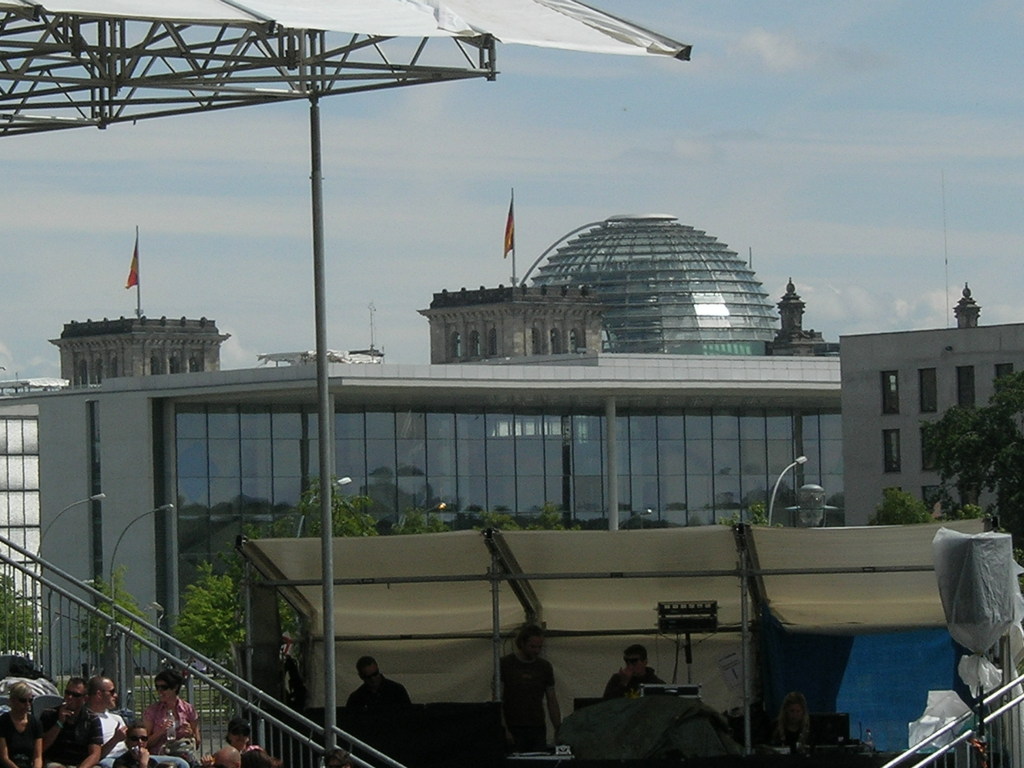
324,432
611,463
496,692
742,532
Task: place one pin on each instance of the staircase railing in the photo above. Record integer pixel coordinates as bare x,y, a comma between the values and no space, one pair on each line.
995,739
67,627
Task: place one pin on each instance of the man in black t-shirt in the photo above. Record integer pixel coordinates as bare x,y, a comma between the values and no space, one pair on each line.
376,690
72,736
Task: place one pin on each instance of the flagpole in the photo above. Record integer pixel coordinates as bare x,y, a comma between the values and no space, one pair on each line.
510,234
138,283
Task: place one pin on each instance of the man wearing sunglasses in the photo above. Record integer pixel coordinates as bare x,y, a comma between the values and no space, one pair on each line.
101,698
376,690
634,673
71,735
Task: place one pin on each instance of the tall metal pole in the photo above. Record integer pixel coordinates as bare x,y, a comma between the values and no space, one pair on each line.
612,462
324,431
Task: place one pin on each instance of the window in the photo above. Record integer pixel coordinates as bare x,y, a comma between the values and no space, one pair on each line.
965,385
456,345
1003,369
927,451
474,343
891,450
890,392
556,342
926,390
492,342
535,341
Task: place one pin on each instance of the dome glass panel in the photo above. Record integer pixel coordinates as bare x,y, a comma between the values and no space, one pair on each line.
667,288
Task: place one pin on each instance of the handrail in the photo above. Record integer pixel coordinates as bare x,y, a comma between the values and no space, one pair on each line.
253,697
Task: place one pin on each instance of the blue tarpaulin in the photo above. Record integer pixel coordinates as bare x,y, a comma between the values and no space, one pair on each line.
881,680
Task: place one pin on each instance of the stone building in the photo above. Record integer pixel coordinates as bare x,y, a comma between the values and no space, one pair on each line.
139,346
507,322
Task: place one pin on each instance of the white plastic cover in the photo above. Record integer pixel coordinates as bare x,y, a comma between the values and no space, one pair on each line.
943,708
977,579
562,24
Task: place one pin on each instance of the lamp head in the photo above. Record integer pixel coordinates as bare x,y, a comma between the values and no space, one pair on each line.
98,497
801,460
343,481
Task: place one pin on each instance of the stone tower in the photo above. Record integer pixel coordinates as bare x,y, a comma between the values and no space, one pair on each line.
504,322
137,346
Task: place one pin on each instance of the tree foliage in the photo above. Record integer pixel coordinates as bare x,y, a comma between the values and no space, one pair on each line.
900,508
980,450
211,615
416,520
20,627
348,513
96,628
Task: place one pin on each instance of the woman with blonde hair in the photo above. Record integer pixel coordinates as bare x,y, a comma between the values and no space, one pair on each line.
793,727
21,735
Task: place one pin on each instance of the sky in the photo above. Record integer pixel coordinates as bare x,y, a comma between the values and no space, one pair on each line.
872,151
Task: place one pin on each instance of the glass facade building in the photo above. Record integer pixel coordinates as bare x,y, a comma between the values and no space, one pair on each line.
19,479
244,464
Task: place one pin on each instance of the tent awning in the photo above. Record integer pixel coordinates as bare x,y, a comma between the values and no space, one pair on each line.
833,580
76,63
562,24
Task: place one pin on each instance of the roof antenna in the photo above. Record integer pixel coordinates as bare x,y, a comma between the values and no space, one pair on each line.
372,310
945,247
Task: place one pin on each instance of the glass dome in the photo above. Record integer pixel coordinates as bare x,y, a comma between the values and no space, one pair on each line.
667,287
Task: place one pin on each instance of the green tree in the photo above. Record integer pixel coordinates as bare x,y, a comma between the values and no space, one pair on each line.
211,615
416,520
900,508
348,513
20,627
96,628
980,450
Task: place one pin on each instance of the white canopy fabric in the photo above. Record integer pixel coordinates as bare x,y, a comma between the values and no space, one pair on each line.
562,24
858,587
598,591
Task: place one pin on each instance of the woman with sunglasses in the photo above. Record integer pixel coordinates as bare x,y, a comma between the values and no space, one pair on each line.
170,719
21,735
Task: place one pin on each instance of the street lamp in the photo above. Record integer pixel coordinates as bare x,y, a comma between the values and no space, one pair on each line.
134,520
94,497
771,504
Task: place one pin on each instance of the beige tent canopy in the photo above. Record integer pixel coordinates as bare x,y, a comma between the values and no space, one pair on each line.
421,602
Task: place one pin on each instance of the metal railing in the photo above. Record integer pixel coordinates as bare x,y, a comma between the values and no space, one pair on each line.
990,737
66,627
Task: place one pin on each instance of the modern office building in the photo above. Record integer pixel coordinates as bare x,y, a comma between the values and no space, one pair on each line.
892,383
694,439
690,425
19,473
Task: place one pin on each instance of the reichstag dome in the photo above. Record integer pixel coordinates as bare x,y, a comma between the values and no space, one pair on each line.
667,287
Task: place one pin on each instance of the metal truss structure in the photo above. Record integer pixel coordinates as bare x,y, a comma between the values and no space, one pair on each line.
63,70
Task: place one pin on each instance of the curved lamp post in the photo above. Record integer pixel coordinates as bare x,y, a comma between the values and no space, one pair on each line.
771,504
133,521
94,497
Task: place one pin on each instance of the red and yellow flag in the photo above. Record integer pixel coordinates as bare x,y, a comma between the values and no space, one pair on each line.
133,270
510,229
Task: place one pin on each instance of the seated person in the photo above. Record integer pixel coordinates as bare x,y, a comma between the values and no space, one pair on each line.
72,735
793,726
376,690
627,681
136,753
337,758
